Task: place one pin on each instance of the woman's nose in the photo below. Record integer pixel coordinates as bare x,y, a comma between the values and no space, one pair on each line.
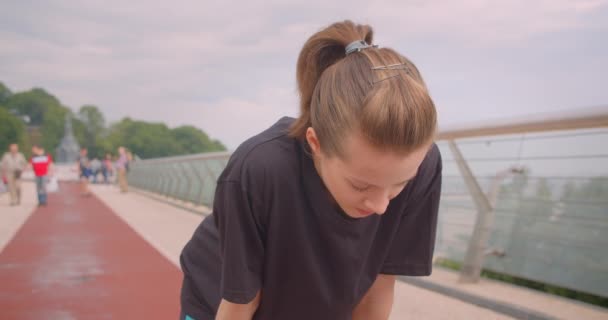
378,204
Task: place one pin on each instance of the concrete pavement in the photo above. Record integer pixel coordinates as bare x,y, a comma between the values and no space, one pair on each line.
167,228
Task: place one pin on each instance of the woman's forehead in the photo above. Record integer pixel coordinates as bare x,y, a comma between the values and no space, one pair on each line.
369,163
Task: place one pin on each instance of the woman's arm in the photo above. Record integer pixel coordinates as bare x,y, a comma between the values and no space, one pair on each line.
235,311
378,301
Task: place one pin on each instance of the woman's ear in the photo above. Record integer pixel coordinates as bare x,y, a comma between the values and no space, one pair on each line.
313,141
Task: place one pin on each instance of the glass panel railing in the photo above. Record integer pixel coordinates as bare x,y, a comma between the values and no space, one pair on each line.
550,217
549,191
189,178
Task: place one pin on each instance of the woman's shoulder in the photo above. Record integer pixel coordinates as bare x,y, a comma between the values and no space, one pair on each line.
432,162
429,172
270,153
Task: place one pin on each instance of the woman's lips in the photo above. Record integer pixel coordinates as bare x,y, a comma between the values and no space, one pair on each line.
364,213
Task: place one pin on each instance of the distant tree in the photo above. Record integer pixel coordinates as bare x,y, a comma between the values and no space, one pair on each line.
45,117
596,190
194,140
543,191
151,140
5,93
568,191
33,103
145,139
582,222
12,130
52,128
94,124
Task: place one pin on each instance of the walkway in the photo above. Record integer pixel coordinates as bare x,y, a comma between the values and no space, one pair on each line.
116,256
75,259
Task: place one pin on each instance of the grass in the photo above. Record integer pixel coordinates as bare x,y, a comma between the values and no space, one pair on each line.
535,285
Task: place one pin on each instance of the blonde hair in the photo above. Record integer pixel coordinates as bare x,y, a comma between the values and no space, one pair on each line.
339,93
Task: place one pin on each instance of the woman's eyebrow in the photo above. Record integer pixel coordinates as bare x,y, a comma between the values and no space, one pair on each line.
403,182
355,180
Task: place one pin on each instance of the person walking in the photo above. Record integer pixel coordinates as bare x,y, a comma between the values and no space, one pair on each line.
107,168
12,165
316,216
42,166
122,165
95,167
84,171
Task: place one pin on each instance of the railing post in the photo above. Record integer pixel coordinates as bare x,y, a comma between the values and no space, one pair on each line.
195,193
473,261
183,190
211,177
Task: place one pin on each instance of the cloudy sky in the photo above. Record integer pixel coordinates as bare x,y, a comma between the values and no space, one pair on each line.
229,67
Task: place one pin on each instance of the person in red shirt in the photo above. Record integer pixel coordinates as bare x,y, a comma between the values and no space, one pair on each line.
41,164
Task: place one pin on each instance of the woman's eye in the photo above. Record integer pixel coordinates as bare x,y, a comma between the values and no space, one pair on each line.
360,189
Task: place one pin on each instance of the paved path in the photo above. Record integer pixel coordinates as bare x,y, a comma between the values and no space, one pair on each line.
116,256
169,228
75,259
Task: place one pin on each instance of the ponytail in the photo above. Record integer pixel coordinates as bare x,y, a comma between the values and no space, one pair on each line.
376,91
322,50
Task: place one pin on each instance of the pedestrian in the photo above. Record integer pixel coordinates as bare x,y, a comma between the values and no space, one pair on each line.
84,171
12,165
122,165
316,216
42,166
95,167
107,168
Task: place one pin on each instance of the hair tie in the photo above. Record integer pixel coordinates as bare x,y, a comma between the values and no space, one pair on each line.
357,46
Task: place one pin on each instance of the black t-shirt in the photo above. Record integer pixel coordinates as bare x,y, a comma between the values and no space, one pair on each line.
275,229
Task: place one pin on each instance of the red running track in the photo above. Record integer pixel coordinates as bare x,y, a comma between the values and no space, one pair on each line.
75,259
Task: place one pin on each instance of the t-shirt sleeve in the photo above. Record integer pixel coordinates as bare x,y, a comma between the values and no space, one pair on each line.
241,242
411,252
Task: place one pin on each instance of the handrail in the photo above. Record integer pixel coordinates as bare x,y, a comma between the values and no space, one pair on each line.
582,118
190,157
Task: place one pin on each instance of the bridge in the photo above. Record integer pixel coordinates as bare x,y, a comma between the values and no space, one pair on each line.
526,198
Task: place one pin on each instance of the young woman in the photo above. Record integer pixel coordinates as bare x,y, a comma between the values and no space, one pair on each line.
314,217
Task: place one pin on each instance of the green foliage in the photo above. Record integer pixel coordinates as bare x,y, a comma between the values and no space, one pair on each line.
45,113
449,264
47,126
544,287
34,103
94,128
12,130
52,128
150,140
92,118
142,138
192,140
5,93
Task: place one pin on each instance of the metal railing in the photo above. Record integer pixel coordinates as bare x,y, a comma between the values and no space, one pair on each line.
189,178
527,198
548,212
